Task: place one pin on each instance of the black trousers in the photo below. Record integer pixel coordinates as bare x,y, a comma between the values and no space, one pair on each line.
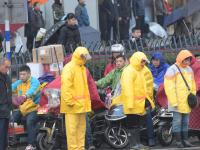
4,122
124,26
112,24
134,121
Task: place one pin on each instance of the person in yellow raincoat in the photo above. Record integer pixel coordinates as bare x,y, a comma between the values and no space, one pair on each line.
75,98
134,97
177,93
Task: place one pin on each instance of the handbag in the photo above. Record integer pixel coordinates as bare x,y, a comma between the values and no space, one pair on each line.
192,99
27,107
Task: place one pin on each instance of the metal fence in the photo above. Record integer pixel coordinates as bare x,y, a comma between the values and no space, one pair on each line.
101,50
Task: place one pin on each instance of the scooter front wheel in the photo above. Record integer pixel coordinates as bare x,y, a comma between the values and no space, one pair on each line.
43,143
117,137
165,136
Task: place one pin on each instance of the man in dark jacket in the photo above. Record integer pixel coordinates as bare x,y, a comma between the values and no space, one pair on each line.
81,14
124,10
5,101
1,40
37,20
110,8
69,34
58,11
27,28
139,13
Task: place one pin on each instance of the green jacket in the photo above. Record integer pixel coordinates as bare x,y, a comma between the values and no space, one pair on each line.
110,79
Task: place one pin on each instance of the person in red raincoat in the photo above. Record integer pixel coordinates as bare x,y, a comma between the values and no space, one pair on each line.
194,122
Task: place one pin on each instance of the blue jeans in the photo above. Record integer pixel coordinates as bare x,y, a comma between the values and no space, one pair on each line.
180,122
89,140
4,122
149,124
31,124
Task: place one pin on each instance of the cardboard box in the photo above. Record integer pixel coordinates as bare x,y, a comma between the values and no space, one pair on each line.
37,69
48,54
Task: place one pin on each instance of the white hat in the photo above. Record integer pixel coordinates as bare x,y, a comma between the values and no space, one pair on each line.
117,48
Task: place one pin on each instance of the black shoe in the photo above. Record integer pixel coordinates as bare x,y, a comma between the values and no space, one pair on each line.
185,141
187,144
178,143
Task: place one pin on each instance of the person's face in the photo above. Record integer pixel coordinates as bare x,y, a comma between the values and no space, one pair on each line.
37,7
85,58
186,62
120,63
198,58
156,62
143,63
57,1
72,21
24,76
114,55
82,1
5,67
136,34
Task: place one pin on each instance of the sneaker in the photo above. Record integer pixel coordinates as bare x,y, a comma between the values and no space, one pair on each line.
30,147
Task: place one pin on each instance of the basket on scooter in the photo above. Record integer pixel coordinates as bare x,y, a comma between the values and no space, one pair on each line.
115,113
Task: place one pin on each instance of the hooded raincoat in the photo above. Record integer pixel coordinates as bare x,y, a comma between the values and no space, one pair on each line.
158,72
175,87
134,86
75,97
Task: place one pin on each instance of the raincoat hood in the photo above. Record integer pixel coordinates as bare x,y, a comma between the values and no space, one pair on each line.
181,56
159,56
158,72
136,59
76,57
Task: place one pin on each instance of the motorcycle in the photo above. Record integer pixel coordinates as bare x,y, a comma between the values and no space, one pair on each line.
51,135
164,133
117,135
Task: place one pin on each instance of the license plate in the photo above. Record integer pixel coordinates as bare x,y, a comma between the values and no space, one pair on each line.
42,110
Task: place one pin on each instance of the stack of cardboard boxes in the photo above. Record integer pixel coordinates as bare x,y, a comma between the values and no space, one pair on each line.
47,59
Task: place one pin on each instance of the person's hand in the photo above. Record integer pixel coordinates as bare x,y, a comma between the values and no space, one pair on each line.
120,18
175,107
18,100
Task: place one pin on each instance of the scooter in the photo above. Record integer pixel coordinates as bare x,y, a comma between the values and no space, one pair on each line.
51,135
117,135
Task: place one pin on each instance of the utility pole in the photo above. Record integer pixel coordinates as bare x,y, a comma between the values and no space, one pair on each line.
7,6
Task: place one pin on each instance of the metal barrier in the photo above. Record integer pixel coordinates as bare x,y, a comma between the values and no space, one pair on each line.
101,53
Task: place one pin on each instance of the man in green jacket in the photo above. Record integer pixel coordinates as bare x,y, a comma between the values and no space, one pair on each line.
113,78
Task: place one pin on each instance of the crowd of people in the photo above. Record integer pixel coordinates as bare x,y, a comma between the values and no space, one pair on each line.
116,16
134,80
68,34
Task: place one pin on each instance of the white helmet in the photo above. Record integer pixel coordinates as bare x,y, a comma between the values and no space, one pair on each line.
117,48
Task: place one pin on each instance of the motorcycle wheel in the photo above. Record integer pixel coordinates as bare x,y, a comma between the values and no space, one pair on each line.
165,136
42,142
116,137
